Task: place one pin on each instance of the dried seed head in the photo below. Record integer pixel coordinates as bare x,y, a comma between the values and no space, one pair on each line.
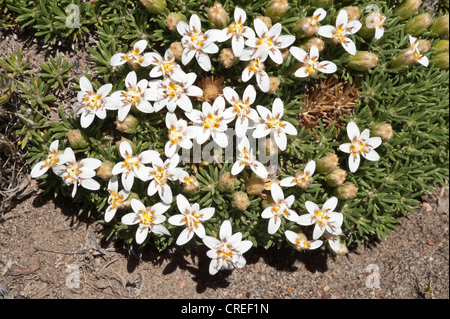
240,201
383,130
326,101
362,61
191,185
226,183
177,50
173,19
439,27
274,84
308,43
154,6
336,177
440,60
105,170
255,186
128,125
353,13
346,191
218,17
212,88
227,58
77,139
276,9
419,24
407,8
305,28
327,164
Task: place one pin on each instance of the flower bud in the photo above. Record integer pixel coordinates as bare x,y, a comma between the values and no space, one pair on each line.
407,8
105,170
352,12
308,43
240,201
383,130
190,185
128,125
327,164
418,25
305,28
276,9
346,191
441,46
226,183
343,251
255,186
440,60
218,17
267,21
439,27
154,6
362,61
322,3
336,177
274,84
177,50
227,58
173,19
77,139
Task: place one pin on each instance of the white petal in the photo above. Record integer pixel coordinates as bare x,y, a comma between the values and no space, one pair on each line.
276,192
90,184
353,162
311,207
310,167
318,231
237,44
39,169
327,67
117,59
345,147
263,81
259,169
372,155
140,45
185,236
330,204
237,168
274,225
305,220
85,84
424,61
326,31
353,26
221,139
302,72
349,46
141,235
182,203
125,149
130,219
86,119
288,182
204,62
110,213
374,142
320,14
281,140
127,181
298,53
260,27
353,130
187,55
225,230
379,33
148,156
195,23
276,56
314,244
342,18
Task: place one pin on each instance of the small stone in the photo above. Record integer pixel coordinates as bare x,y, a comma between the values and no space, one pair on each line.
326,288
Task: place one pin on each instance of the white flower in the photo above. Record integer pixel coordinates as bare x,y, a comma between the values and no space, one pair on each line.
53,159
90,103
237,31
191,217
148,218
137,95
246,158
300,242
269,42
271,123
166,67
246,117
196,43
160,174
376,21
180,135
318,16
333,241
77,173
324,219
133,166
116,198
227,252
360,144
211,122
257,68
311,62
134,56
301,179
279,209
170,93
340,33
414,50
